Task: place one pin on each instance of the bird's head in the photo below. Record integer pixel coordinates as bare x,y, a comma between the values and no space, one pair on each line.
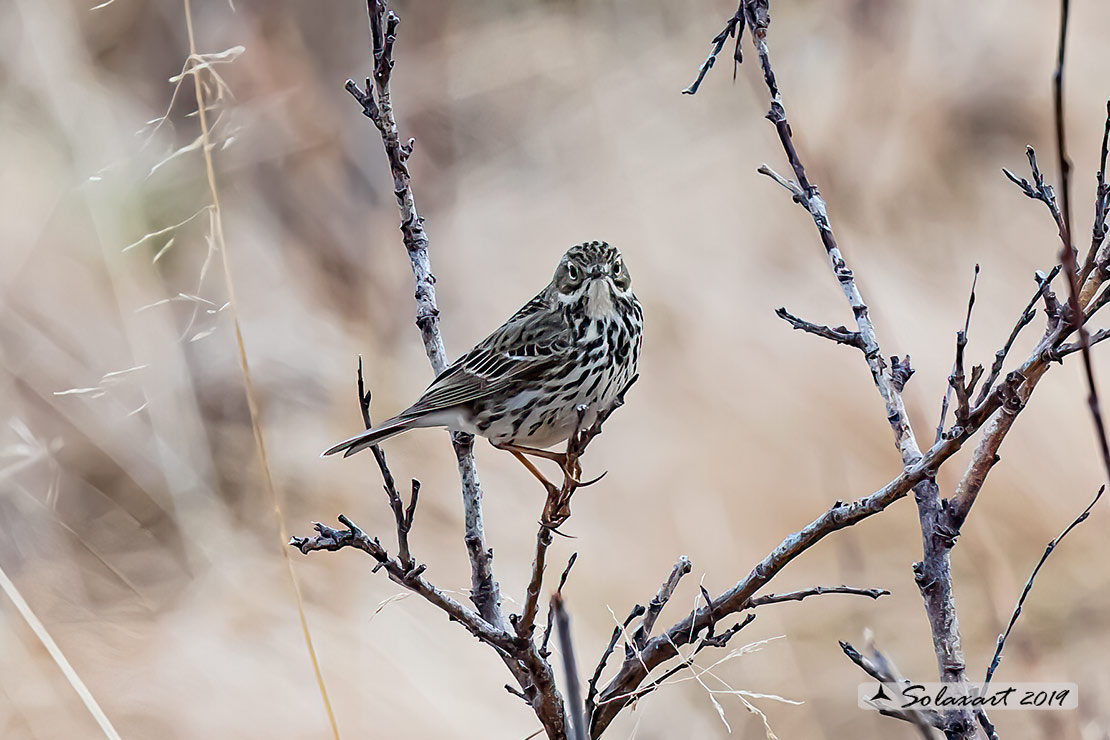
595,271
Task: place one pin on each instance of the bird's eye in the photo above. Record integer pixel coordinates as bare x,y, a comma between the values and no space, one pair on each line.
572,271
616,268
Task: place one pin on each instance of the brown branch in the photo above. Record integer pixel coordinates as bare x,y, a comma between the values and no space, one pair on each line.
655,606
984,458
618,630
1001,644
1093,273
1038,190
1044,285
964,390
1062,159
526,622
1068,254
1066,349
710,640
879,669
840,334
956,382
622,687
557,509
804,593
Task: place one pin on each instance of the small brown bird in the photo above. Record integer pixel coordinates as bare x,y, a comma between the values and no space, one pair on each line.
575,344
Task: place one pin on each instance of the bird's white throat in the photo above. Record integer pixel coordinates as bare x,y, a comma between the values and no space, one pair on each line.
599,300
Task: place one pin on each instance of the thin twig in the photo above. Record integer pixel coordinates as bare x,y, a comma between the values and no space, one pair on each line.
1062,158
618,630
873,593
956,382
402,516
550,612
1066,349
662,596
1099,228
734,27
1029,585
328,538
1068,252
839,334
1044,283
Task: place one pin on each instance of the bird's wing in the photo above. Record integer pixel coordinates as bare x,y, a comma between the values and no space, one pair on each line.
530,344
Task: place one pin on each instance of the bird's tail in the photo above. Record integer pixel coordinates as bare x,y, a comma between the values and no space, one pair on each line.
374,436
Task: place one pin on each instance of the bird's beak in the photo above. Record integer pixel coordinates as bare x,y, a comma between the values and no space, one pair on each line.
596,271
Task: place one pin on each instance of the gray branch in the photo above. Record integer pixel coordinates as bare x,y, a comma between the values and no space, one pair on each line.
377,104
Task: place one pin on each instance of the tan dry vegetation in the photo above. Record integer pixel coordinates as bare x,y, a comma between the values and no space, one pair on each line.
134,519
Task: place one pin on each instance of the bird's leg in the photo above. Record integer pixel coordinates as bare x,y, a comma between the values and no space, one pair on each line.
567,463
552,489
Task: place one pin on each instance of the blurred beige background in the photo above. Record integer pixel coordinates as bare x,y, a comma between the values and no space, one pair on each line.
133,517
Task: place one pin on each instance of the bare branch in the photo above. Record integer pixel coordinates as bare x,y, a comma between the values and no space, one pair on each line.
985,456
1062,158
377,104
807,195
402,516
840,334
879,669
1044,285
873,593
551,612
1068,255
576,709
1066,349
617,632
662,596
337,539
1101,204
734,27
1001,644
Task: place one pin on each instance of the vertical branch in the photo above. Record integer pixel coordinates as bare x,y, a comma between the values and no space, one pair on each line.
1068,256
377,105
575,708
1063,161
933,573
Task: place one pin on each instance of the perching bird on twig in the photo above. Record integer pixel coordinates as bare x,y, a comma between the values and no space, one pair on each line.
576,344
